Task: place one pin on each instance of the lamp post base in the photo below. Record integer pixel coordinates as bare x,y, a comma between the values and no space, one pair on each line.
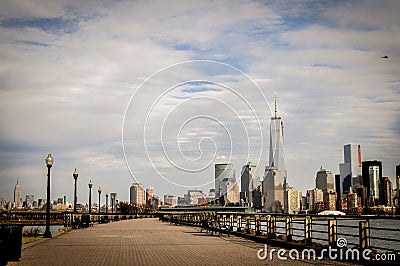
47,234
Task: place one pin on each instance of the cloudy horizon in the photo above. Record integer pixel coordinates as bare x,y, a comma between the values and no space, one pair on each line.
190,84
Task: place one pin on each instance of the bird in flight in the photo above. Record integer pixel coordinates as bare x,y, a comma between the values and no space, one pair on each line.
385,57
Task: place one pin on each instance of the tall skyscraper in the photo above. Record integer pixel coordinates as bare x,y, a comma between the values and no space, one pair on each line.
247,183
137,194
362,196
337,189
272,189
371,176
17,196
398,185
325,181
274,182
385,192
223,171
276,154
351,168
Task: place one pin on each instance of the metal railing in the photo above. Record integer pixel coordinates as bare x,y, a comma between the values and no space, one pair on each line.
67,219
308,230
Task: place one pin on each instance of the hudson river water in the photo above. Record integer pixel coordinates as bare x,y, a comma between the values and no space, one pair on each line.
352,241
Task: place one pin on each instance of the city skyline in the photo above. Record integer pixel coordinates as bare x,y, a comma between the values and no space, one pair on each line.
324,180
70,69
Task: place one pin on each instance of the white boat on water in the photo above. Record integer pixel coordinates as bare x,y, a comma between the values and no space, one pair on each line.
331,213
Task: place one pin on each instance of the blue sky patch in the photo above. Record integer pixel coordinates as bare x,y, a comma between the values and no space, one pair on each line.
52,25
202,89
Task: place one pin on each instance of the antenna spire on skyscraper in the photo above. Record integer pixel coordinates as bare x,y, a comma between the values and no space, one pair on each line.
275,106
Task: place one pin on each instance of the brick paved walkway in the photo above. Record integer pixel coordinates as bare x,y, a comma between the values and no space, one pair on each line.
147,242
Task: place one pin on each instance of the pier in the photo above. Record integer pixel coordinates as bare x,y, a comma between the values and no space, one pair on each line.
149,241
175,237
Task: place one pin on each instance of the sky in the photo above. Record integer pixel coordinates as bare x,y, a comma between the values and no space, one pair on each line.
157,92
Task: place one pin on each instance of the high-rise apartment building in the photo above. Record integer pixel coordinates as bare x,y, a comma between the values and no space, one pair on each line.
137,194
17,196
210,195
223,171
170,200
247,183
352,201
149,194
371,177
29,199
230,191
193,196
331,201
351,167
292,201
362,196
314,197
2,203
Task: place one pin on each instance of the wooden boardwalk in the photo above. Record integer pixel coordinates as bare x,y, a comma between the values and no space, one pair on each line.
149,242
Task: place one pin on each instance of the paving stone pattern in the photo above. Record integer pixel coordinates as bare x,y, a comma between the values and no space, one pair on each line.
148,242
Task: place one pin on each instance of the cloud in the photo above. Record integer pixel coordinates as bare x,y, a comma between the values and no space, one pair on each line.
69,69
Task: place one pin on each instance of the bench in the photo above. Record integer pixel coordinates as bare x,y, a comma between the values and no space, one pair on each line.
174,220
214,227
82,222
204,225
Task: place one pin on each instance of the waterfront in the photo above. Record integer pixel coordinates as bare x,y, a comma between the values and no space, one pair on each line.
149,242
54,229
345,228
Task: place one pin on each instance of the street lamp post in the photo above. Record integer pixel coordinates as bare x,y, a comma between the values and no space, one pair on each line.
112,203
75,175
49,163
99,190
106,202
90,196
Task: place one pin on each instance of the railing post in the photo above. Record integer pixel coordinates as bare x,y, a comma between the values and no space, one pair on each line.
271,226
307,230
289,228
247,229
257,225
364,234
66,218
332,233
239,223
